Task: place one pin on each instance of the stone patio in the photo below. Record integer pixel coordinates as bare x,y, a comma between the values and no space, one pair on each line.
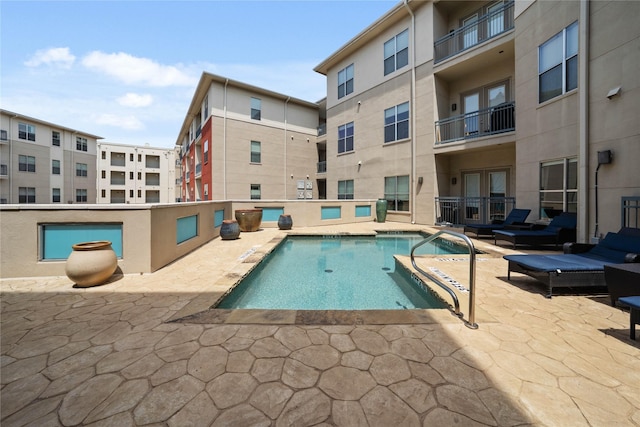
144,350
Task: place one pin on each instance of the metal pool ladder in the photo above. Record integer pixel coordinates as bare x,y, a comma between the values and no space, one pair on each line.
471,323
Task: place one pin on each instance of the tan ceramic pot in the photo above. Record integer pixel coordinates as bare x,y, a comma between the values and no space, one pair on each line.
249,219
91,263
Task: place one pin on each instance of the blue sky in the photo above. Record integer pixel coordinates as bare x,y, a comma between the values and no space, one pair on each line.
127,70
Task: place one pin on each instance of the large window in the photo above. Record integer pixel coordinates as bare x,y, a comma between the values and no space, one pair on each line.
26,163
26,194
396,52
81,195
55,138
256,109
206,151
26,131
345,138
345,189
558,187
345,81
255,192
396,122
256,152
55,167
558,64
81,143
396,192
81,169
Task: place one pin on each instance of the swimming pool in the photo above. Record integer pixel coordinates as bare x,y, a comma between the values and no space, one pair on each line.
337,273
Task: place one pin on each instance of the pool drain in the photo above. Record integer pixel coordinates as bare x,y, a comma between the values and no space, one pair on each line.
328,271
386,268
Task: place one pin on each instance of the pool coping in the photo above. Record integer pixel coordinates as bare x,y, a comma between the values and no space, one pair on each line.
201,310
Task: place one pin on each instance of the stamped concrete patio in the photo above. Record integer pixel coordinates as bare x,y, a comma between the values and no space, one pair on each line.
144,350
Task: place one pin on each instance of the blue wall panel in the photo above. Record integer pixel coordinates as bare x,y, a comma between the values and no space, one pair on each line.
218,217
330,212
271,214
363,211
57,239
186,228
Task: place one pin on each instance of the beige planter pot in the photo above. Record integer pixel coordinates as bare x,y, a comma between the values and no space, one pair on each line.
249,219
91,263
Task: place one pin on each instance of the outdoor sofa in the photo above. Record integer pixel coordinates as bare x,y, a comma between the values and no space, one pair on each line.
561,229
581,265
515,217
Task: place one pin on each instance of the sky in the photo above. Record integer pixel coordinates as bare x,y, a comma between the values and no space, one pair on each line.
127,70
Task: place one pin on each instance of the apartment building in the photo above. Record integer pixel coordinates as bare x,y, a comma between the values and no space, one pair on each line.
455,110
42,162
243,142
136,174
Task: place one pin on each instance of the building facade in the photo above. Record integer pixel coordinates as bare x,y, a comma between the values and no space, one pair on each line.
42,162
455,110
135,174
242,142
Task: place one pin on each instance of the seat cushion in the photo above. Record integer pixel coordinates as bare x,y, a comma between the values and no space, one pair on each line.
526,233
562,262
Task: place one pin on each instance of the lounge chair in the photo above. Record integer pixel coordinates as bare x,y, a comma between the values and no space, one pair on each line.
561,229
581,265
515,217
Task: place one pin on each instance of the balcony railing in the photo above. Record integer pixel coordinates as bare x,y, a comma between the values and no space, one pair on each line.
3,170
472,210
322,167
486,27
322,129
488,121
198,169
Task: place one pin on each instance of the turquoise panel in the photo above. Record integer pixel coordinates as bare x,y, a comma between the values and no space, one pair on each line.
186,228
330,212
363,210
218,217
57,239
271,214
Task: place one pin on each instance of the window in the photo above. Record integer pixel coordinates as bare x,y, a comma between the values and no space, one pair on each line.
396,123
26,194
256,152
131,194
81,143
206,107
345,138
139,176
139,194
103,193
558,64
103,174
131,175
55,167
345,81
26,163
55,138
206,151
131,157
396,192
345,189
104,155
55,195
558,187
396,52
139,157
255,191
81,169
256,108
26,131
81,195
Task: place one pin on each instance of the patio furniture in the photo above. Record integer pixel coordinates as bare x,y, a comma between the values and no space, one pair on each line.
515,217
623,280
581,265
561,229
633,303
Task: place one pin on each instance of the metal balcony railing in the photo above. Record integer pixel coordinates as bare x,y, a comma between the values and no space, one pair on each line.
488,121
322,167
472,210
485,28
322,129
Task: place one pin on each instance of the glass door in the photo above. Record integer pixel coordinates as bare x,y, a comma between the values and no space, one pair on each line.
497,188
470,33
471,105
495,21
472,196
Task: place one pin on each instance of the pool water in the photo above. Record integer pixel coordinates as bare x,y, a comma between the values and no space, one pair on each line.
336,273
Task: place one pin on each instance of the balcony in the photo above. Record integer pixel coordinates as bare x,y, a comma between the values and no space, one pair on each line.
472,210
152,179
117,178
484,28
198,169
4,171
322,129
152,162
488,121
322,167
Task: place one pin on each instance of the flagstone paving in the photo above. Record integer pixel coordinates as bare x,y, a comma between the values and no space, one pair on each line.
142,350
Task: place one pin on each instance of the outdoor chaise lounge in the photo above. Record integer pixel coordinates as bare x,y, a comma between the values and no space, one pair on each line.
561,229
515,217
581,265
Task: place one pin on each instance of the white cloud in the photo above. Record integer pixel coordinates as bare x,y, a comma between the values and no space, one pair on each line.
57,56
133,70
119,121
135,100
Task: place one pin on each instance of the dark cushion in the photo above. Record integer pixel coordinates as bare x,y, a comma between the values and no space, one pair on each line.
621,242
564,220
533,233
563,262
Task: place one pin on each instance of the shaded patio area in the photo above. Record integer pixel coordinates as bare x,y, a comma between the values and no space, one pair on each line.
140,350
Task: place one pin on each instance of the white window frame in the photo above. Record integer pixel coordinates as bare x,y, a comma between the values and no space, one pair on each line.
26,132
568,190
391,51
346,134
393,113
256,108
346,78
256,154
568,37
81,143
346,189
26,163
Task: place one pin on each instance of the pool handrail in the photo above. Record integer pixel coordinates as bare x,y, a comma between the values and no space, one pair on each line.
472,276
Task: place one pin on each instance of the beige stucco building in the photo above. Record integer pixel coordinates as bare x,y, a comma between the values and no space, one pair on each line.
136,174
454,110
42,162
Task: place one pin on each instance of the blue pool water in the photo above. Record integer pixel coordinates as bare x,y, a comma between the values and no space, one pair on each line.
343,273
